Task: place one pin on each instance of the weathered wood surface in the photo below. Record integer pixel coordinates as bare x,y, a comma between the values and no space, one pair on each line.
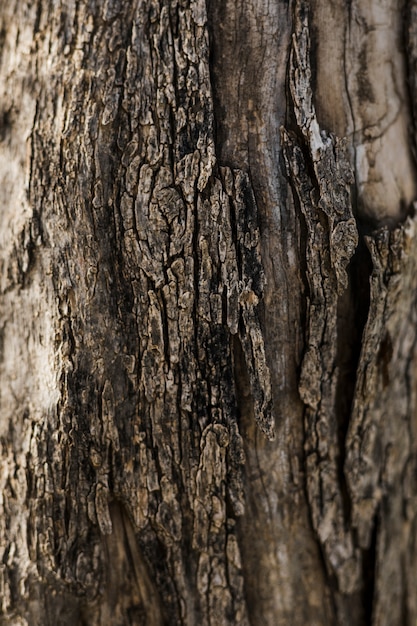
208,283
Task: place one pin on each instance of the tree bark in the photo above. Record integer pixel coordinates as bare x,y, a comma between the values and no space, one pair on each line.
208,266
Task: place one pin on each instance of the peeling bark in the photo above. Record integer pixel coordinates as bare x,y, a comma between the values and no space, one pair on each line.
207,313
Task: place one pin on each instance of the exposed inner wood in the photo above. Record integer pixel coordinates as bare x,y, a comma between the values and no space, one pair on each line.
361,93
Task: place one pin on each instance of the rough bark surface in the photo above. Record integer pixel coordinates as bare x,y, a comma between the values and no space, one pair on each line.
207,313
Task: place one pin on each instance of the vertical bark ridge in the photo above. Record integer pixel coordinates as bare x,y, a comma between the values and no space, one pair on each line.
250,44
331,242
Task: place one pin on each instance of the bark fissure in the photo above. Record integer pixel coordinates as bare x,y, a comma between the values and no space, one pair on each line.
332,239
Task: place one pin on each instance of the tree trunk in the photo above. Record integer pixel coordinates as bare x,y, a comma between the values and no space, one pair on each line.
208,266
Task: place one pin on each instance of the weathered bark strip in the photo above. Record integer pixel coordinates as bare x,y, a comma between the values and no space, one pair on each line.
331,242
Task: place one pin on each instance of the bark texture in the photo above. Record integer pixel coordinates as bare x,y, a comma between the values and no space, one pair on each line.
208,272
